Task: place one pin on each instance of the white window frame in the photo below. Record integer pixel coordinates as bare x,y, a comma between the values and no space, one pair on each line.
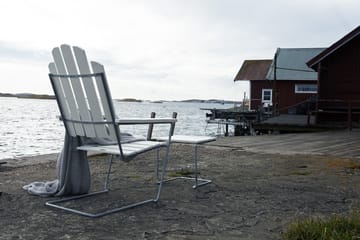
299,88
262,95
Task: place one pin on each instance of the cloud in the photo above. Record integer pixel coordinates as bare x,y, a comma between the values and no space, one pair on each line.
15,52
163,49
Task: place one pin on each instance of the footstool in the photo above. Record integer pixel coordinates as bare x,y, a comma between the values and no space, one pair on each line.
194,140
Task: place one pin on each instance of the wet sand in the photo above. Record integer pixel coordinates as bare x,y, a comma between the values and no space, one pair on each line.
254,195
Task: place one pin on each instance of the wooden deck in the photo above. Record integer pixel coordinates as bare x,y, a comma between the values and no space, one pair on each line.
261,122
290,119
294,123
342,143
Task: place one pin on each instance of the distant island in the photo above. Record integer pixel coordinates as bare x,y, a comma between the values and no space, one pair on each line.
45,96
128,100
185,101
28,95
209,101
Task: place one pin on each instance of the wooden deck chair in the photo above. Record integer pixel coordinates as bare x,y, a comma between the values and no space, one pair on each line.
86,108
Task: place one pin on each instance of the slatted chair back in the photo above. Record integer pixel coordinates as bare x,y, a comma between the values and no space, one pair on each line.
87,111
83,95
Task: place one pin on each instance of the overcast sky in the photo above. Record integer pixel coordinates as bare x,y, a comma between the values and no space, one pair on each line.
163,49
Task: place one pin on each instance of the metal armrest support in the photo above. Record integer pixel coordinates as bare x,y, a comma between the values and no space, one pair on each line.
133,121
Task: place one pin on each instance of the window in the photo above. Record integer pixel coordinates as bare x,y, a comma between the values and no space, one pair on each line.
266,96
305,88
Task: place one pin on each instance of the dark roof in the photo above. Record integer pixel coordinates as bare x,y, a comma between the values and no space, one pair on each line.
253,70
333,48
291,64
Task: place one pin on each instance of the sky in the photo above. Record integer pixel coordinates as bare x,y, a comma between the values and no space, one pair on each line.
163,49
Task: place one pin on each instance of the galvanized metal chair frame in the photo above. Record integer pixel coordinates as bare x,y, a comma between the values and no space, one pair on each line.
86,108
185,139
195,141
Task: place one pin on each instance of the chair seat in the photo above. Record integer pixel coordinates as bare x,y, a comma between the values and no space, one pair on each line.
129,149
191,139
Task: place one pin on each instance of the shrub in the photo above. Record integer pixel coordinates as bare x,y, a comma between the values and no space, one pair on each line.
333,228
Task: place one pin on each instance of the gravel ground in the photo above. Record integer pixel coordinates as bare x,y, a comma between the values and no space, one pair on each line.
253,196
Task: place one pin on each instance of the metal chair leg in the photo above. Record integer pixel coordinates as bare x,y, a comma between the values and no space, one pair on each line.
163,173
157,164
106,184
198,181
55,203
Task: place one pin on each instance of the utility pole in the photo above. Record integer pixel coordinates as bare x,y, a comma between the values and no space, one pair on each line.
275,101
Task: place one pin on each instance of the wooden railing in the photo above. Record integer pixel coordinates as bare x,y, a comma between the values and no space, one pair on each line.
339,112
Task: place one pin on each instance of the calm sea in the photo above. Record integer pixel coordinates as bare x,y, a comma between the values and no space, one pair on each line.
30,127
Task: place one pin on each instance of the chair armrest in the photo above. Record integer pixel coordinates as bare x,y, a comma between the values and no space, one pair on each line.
132,121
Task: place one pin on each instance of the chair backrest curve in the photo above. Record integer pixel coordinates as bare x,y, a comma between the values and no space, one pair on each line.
82,94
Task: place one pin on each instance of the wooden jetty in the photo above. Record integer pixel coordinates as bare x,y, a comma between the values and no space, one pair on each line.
289,123
254,122
242,120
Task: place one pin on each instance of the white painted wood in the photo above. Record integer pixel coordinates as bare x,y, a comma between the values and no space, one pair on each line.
106,105
90,89
129,149
191,139
75,91
132,121
79,94
68,92
61,98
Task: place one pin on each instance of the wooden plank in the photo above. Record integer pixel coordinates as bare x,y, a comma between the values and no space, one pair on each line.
78,91
104,93
68,92
61,99
335,143
92,97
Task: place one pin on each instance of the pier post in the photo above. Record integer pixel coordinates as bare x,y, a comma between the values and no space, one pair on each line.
174,115
226,128
151,127
237,130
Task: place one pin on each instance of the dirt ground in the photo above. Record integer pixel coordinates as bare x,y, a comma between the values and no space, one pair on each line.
253,196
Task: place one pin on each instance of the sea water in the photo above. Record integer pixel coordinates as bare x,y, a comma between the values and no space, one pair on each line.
31,127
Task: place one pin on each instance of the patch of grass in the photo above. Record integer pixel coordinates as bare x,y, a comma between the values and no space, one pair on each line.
333,228
344,163
181,173
355,166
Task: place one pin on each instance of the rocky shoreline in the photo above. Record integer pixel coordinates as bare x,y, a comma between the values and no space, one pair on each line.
253,196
